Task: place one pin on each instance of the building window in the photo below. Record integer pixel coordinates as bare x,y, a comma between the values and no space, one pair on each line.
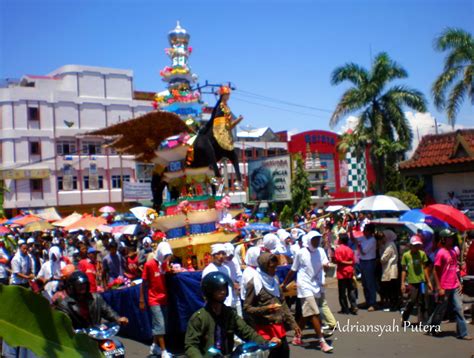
87,183
36,185
91,148
66,148
35,148
61,183
33,114
116,180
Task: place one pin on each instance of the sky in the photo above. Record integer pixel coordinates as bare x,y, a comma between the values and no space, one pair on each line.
274,52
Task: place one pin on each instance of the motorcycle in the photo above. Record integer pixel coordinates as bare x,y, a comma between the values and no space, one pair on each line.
103,334
246,350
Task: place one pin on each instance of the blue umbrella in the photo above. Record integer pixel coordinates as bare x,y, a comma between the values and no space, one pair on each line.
417,216
260,227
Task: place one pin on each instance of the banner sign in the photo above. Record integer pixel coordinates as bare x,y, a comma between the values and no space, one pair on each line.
24,174
137,190
270,179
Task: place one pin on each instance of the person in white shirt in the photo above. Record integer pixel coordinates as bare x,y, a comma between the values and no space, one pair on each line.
309,263
251,260
4,258
367,247
23,266
50,272
235,276
286,242
218,252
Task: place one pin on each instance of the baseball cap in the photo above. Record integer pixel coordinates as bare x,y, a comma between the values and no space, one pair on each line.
446,233
30,241
416,240
91,250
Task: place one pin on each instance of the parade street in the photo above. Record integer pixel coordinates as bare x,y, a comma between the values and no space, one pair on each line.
387,344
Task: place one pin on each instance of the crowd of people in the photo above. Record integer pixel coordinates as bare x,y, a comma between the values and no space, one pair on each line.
244,298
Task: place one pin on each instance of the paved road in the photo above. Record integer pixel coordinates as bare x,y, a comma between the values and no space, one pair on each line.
395,343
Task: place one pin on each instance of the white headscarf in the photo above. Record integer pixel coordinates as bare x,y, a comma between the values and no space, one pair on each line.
270,241
252,255
263,279
54,251
146,241
217,248
229,249
162,251
283,234
307,240
389,235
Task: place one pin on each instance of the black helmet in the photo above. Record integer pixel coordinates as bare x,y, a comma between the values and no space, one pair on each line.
74,281
214,281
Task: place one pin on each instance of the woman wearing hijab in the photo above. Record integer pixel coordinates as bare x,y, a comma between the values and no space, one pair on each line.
50,272
154,280
250,271
266,307
389,261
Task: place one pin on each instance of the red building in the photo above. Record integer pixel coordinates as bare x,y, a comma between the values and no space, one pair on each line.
348,178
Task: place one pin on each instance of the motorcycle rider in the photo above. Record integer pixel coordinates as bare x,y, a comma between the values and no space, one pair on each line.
86,309
215,324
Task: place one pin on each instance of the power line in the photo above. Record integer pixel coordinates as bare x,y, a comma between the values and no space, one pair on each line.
276,100
277,108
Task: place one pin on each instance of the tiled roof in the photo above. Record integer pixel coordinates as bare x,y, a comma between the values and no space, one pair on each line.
443,149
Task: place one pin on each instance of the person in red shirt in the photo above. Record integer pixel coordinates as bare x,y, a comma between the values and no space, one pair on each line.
154,282
132,271
344,258
89,267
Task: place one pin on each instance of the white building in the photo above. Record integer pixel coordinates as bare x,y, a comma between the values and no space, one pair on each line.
46,158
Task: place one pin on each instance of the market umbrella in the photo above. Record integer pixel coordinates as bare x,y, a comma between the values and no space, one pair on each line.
104,228
107,209
380,203
451,215
68,220
4,230
417,216
26,220
38,226
87,222
141,212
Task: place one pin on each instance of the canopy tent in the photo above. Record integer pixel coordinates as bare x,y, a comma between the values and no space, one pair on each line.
42,225
68,220
87,222
48,214
26,220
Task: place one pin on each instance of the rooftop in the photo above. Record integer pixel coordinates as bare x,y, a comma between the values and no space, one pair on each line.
443,149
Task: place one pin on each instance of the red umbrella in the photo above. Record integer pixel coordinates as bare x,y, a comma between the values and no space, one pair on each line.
451,215
4,230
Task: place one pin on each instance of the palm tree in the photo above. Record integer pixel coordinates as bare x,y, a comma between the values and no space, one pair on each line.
381,117
458,73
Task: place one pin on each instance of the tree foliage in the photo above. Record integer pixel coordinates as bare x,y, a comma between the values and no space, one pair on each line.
27,320
457,79
411,200
382,123
300,194
286,216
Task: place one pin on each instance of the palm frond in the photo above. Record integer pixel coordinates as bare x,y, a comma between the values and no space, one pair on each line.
452,38
349,72
405,96
454,101
441,84
461,56
469,81
351,101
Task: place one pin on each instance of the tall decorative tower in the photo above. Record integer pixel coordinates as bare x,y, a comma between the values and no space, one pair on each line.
316,173
179,97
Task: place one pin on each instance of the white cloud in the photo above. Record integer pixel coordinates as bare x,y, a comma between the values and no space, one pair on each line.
351,123
423,124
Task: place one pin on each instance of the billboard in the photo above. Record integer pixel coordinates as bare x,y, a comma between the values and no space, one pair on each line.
270,179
